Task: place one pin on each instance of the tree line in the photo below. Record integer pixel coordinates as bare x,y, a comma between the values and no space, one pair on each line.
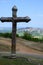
29,37
26,36
7,35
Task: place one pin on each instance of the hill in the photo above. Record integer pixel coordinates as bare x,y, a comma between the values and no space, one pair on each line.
36,32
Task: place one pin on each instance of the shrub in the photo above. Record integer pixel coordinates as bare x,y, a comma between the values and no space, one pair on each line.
17,35
27,36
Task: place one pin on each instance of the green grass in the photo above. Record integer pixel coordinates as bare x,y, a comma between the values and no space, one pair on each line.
19,61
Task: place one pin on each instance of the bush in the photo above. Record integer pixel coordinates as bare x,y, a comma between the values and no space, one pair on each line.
27,36
17,35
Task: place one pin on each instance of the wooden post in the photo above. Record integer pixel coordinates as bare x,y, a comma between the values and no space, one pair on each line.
13,48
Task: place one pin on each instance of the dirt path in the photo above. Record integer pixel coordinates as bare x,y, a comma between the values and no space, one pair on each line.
21,45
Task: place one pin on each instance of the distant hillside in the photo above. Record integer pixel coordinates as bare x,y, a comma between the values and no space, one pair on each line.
36,32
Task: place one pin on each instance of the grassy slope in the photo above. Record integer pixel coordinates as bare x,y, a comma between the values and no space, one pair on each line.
20,61
17,61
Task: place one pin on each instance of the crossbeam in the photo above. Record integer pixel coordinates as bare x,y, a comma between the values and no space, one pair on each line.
16,19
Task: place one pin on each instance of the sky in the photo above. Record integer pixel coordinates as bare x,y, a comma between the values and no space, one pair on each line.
31,8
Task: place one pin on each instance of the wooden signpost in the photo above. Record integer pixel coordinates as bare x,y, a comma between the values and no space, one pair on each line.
14,19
